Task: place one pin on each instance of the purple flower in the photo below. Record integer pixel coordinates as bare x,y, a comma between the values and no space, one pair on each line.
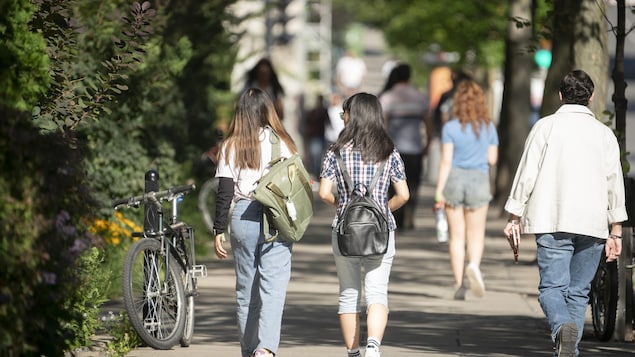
62,224
78,247
49,278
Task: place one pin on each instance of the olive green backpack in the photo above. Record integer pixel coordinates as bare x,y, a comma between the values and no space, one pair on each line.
286,194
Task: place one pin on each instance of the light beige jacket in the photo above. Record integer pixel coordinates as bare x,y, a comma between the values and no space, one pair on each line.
569,178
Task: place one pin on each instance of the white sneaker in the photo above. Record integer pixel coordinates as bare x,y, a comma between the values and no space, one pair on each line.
476,280
262,352
372,352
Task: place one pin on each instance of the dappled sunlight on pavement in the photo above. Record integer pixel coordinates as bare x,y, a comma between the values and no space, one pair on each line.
424,319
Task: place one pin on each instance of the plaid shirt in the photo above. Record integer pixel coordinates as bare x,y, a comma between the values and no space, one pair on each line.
363,172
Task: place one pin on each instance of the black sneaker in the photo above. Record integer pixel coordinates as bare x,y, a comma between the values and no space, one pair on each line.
566,339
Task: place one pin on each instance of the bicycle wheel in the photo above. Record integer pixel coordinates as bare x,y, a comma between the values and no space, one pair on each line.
604,299
182,249
153,294
188,331
207,202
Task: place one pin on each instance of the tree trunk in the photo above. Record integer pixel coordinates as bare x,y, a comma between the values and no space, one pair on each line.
592,52
516,107
624,328
579,42
619,94
565,12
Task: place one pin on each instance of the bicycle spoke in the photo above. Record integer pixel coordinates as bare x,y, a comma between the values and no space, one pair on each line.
154,296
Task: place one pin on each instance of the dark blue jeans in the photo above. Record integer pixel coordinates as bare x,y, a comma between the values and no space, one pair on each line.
567,264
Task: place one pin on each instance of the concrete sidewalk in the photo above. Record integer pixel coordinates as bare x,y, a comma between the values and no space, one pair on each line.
424,319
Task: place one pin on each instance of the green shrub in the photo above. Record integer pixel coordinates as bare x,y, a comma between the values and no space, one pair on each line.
124,337
93,283
43,197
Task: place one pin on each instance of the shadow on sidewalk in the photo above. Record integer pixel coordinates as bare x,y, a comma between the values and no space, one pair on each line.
424,319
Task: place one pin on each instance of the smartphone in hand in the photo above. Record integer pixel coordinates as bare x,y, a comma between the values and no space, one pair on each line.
514,240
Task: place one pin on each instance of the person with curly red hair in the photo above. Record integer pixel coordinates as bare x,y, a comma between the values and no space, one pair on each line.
469,147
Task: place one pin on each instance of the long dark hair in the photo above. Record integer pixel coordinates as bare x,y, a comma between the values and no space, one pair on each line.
252,76
401,73
254,110
365,128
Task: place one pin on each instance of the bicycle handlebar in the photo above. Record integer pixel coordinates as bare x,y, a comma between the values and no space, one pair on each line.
152,196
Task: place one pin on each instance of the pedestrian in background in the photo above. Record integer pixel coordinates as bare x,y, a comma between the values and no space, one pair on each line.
363,145
568,190
336,124
349,73
405,110
441,113
315,123
263,268
264,77
469,147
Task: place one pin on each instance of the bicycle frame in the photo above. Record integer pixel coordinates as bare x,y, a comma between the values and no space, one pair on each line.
160,272
188,259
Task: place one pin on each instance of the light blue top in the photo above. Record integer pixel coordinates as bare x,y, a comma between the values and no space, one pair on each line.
470,152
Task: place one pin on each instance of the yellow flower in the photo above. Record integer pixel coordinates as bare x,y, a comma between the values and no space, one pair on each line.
115,231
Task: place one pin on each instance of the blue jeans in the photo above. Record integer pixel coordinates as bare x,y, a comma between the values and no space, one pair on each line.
376,275
316,152
567,264
262,276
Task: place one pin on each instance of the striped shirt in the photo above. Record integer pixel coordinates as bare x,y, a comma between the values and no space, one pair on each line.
363,172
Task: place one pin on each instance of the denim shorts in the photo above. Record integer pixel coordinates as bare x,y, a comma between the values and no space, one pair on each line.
468,188
373,271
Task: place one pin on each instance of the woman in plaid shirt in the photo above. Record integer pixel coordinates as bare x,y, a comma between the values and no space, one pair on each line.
364,144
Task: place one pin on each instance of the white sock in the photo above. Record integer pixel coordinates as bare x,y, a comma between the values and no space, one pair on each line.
373,343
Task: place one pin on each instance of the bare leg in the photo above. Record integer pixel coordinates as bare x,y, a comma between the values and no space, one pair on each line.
349,324
376,320
456,222
475,234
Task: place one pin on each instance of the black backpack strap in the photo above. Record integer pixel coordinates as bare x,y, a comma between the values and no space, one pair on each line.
349,181
347,177
373,183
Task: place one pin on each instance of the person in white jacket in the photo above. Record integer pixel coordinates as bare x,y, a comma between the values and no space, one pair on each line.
569,191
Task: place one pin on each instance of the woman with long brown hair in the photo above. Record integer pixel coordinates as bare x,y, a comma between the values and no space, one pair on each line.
263,268
469,147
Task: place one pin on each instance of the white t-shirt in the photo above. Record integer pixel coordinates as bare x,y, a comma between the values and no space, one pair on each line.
351,71
336,124
245,179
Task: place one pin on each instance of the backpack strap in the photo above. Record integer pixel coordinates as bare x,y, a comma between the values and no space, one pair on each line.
373,183
347,176
275,144
275,156
344,171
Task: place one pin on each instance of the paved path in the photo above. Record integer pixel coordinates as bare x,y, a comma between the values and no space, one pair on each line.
424,319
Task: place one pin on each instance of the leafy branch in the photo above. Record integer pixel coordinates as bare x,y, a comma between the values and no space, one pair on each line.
73,98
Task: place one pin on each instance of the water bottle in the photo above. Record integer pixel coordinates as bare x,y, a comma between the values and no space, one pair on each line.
442,225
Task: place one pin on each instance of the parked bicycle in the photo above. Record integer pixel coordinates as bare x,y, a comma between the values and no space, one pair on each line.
604,296
603,299
160,272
